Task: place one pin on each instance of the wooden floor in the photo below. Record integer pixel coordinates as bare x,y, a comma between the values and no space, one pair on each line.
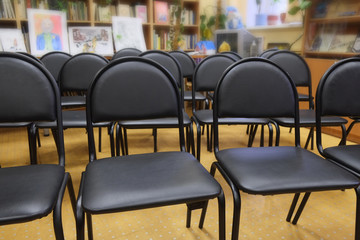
328,215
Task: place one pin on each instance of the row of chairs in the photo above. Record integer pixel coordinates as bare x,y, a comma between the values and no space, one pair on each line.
179,177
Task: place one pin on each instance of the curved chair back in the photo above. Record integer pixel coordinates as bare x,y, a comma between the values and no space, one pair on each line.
128,81
126,52
233,55
30,56
54,61
268,52
187,63
338,92
28,93
256,88
298,69
78,71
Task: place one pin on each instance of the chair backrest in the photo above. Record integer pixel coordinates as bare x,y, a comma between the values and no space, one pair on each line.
132,88
54,61
256,88
30,56
186,62
126,52
297,67
231,54
29,93
78,71
338,92
268,52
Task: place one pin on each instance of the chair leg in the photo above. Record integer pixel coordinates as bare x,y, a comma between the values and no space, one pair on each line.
194,206
187,139
357,216
292,207
80,221
262,136
126,142
221,207
270,134
57,218
310,136
343,137
236,198
211,137
191,138
252,135
155,139
99,139
111,136
198,138
89,226
301,208
71,192
38,137
207,137
31,129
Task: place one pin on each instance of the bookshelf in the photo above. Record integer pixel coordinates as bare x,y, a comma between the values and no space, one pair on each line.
91,13
331,28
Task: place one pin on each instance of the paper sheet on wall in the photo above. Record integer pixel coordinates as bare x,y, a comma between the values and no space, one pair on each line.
128,33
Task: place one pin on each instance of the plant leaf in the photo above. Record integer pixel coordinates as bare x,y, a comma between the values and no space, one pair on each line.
294,10
291,1
305,4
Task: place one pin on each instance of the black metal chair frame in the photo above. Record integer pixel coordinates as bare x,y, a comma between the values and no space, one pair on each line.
93,115
293,185
66,181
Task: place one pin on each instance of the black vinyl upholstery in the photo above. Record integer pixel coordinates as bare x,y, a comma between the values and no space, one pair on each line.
233,55
299,72
337,95
206,76
257,87
54,61
28,92
173,66
126,52
129,182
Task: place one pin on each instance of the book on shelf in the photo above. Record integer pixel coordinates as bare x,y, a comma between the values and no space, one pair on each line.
141,12
7,9
77,11
342,43
123,10
161,12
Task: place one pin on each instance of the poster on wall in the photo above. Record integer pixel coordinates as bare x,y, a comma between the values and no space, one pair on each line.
91,39
128,33
47,31
12,40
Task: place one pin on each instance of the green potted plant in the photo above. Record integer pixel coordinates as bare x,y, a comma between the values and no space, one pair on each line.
260,18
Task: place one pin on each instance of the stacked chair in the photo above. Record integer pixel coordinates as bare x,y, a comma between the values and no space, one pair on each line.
29,93
271,170
144,180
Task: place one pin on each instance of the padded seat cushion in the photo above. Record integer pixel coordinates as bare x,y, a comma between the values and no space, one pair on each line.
307,119
206,117
73,101
347,155
72,119
146,180
29,192
156,122
277,170
14,125
198,96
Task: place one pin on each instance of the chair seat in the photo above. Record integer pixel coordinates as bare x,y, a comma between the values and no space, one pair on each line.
73,101
28,192
72,119
347,155
198,96
145,180
156,122
277,170
307,119
14,125
206,117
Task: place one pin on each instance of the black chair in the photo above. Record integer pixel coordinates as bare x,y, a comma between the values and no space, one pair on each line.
256,87
126,52
206,76
299,71
172,65
337,95
145,180
232,54
29,93
54,61
75,76
187,65
268,52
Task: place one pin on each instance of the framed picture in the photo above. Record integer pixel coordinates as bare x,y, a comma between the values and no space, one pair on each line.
128,33
91,39
161,12
47,31
12,40
356,45
141,12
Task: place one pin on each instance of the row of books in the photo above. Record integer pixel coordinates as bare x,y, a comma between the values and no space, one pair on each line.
162,41
104,12
165,14
7,9
77,11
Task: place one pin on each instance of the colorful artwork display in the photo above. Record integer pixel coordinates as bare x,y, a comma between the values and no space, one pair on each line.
91,39
47,31
12,40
